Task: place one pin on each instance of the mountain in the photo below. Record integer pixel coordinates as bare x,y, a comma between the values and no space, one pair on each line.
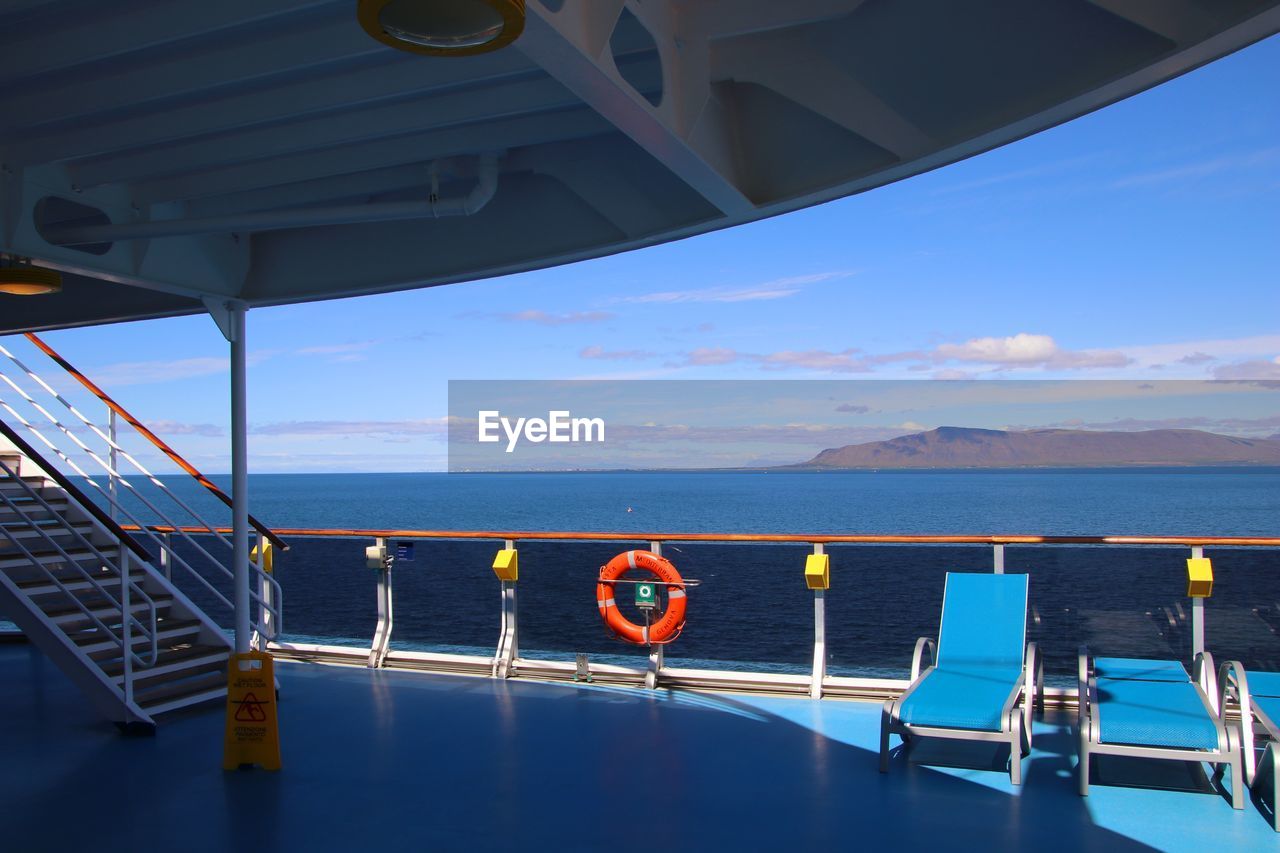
963,447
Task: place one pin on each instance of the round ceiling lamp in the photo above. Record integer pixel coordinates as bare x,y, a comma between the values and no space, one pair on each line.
22,279
443,27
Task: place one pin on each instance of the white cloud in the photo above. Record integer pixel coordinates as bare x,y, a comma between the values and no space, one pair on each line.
545,318
426,426
778,288
153,372
177,428
1021,348
1269,370
599,352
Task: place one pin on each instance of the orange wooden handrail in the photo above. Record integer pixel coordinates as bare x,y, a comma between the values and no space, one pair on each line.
152,437
807,538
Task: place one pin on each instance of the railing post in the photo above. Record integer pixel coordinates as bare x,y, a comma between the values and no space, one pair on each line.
997,565
656,656
819,632
113,455
1197,612
166,565
508,649
126,633
265,628
386,614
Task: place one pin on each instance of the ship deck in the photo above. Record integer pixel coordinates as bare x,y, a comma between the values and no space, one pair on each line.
385,760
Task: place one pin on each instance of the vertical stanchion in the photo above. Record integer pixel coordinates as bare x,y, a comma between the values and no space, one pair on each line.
1197,611
507,568
113,456
377,559
656,656
997,564
166,565
126,633
817,576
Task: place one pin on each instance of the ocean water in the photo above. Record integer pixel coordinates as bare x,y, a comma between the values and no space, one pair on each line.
751,608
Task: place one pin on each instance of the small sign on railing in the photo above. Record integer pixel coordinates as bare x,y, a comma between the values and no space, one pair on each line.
404,552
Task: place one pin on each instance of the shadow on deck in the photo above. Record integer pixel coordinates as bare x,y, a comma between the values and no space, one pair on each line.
406,761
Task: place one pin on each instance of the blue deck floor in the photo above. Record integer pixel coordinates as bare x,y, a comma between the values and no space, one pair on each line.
407,761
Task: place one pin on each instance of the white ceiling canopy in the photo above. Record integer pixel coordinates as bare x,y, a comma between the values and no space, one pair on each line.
159,153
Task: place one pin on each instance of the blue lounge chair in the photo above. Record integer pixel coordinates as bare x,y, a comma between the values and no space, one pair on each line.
985,679
1258,695
1153,709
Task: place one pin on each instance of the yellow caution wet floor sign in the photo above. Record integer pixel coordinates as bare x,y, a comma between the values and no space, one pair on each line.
252,735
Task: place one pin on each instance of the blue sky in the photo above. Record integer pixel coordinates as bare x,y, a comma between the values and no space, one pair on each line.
1142,241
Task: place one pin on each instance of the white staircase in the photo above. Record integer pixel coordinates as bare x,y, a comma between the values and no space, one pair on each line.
61,563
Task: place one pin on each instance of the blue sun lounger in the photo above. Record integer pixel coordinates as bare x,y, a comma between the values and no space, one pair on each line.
1258,695
984,682
1153,709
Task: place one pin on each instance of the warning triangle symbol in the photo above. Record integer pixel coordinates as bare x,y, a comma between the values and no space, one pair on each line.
250,710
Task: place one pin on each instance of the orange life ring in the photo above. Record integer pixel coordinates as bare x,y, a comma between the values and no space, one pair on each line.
666,628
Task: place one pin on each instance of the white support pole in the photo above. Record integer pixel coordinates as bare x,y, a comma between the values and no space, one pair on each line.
166,563
819,635
656,656
239,474
998,559
1197,612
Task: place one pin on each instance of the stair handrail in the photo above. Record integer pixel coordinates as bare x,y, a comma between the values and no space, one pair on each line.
268,605
126,614
146,433
273,609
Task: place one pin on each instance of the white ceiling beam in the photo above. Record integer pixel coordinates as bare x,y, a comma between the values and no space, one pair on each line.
591,172
344,89
573,46
788,63
394,151
1180,21
95,37
182,75
326,131
723,18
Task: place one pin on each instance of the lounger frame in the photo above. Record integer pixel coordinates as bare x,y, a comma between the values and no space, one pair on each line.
1233,683
1015,716
1204,680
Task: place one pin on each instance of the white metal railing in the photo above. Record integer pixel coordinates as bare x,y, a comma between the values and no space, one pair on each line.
168,509
507,662
118,566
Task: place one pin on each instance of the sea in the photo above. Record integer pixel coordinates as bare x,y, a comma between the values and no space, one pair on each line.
750,608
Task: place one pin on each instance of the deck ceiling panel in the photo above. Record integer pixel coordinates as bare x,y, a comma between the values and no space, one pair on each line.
621,123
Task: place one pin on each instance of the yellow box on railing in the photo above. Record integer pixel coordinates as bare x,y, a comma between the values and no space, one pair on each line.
817,571
1199,577
506,566
268,559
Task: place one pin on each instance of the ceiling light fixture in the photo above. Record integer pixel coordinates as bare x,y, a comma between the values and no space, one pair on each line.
443,27
19,278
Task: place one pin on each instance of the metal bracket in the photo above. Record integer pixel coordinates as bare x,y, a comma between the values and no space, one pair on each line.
221,310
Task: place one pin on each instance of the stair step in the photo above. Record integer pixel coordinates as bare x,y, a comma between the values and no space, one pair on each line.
33,509
94,643
76,583
29,529
179,659
14,485
180,694
107,611
49,557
